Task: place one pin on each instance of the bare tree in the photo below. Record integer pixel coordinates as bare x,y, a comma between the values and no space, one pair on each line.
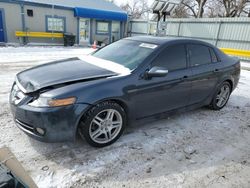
196,7
137,9
233,8
213,9
217,8
181,11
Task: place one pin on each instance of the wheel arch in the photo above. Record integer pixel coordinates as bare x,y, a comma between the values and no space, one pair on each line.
226,79
120,102
230,82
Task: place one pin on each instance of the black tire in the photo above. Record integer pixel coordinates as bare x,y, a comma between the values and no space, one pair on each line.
85,123
214,104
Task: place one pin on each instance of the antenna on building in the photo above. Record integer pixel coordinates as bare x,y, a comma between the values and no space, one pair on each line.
161,9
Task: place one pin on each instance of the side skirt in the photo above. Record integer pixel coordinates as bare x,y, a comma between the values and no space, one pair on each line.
165,115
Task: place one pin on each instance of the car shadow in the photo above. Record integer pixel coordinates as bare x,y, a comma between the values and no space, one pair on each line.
211,138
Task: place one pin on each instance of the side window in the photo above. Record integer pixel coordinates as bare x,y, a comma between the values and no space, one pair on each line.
199,54
172,58
214,57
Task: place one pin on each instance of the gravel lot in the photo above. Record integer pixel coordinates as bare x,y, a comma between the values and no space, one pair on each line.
200,148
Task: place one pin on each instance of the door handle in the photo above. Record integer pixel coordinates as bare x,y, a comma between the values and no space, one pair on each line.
184,78
216,70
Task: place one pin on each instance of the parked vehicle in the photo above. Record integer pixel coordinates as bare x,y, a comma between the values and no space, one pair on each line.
132,79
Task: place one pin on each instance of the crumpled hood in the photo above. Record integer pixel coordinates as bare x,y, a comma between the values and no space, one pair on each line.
63,71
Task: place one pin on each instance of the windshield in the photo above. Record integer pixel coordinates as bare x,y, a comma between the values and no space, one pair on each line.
128,53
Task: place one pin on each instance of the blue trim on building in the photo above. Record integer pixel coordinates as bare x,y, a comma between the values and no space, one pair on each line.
100,14
90,31
5,37
55,16
77,31
121,30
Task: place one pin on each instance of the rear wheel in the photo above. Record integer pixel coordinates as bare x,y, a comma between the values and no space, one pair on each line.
221,97
103,124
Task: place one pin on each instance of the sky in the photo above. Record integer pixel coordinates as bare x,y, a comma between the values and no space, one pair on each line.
119,2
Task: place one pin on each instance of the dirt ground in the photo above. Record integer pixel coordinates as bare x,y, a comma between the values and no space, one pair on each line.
200,148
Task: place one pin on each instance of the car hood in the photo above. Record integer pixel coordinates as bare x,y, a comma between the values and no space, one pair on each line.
66,71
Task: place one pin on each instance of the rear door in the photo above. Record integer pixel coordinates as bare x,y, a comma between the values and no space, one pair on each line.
161,94
202,61
1,27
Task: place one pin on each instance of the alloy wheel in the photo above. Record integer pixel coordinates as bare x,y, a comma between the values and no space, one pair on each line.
105,126
223,95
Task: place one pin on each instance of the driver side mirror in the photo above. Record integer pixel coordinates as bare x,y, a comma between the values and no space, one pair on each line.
156,72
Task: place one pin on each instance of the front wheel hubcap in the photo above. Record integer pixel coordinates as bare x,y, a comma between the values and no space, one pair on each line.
222,96
105,126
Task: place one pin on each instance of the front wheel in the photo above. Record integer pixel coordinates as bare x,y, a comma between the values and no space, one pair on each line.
103,124
221,97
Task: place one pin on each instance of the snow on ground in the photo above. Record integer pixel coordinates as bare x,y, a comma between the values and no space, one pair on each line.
246,65
200,148
31,54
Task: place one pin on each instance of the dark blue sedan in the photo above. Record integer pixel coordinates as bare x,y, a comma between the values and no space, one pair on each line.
132,79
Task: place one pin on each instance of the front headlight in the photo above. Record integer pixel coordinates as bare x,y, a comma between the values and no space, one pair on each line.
48,102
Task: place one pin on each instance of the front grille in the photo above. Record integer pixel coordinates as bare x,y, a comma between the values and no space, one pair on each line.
25,126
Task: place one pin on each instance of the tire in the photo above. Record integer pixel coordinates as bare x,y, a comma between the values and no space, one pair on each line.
224,87
103,124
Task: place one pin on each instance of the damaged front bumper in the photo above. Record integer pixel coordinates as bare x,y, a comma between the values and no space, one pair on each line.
47,124
55,124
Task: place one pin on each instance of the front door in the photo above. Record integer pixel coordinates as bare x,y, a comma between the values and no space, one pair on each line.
161,94
84,31
1,27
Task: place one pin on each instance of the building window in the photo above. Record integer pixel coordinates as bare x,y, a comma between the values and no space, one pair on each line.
55,23
30,12
102,27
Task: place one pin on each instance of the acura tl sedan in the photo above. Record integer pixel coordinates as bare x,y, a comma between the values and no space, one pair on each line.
133,79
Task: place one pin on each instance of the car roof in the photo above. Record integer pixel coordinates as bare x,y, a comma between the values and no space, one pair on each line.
165,40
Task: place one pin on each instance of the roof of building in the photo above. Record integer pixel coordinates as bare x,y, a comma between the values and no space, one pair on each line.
99,9
92,4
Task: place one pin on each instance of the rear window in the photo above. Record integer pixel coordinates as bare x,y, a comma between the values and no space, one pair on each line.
199,54
128,53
